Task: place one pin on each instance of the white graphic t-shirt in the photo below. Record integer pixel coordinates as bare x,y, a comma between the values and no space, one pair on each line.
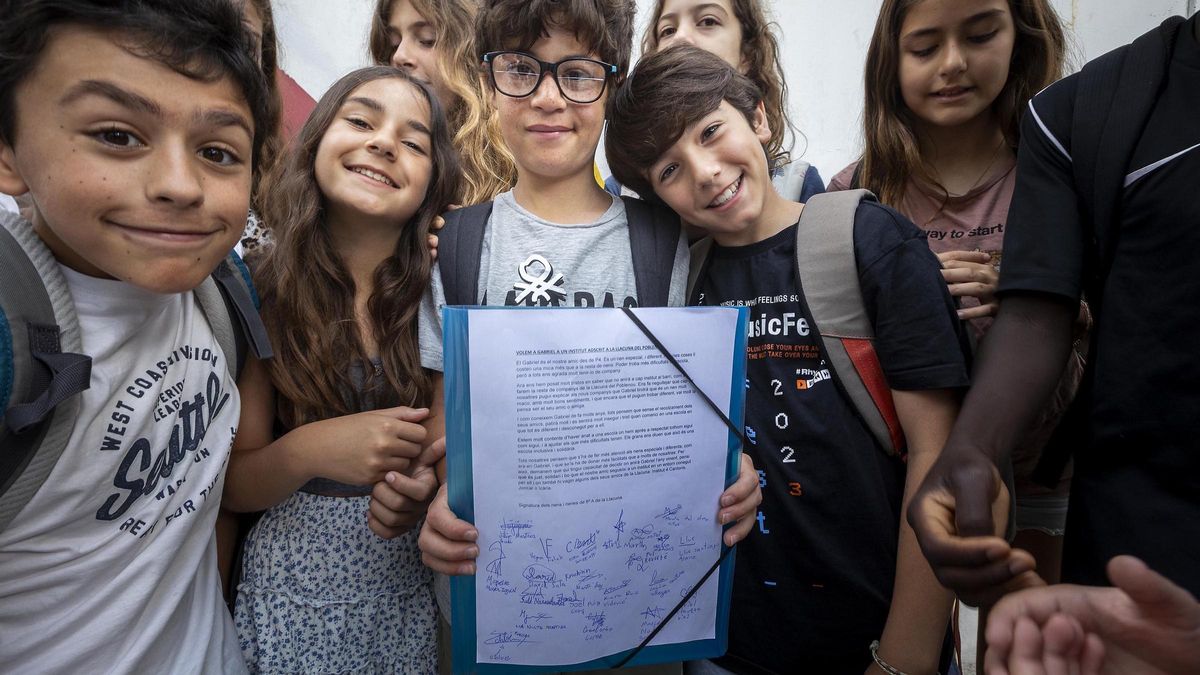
111,567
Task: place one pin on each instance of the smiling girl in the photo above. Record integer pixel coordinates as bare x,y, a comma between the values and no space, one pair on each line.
434,41
334,418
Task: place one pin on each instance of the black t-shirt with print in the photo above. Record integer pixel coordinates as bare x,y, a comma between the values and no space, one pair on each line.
1136,487
813,581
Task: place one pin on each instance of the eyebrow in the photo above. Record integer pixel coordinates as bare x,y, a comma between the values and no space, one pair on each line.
694,10
223,118
419,127
922,32
112,92
366,102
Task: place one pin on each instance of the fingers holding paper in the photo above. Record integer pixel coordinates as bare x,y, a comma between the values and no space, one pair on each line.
739,503
447,542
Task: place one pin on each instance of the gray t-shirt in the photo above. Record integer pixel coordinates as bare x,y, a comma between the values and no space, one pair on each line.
531,262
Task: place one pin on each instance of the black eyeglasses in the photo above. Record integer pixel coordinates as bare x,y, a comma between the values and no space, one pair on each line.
518,74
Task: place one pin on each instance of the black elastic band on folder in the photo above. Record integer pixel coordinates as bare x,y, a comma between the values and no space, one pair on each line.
726,549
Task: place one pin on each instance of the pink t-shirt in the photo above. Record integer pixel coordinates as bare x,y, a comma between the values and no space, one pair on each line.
971,222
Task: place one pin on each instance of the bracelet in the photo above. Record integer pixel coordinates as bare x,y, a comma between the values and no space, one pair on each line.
884,665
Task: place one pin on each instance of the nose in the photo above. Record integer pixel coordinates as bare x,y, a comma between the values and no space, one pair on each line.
546,95
401,57
382,144
175,178
954,60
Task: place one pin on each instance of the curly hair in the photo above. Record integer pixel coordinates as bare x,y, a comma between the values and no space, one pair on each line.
760,53
488,167
605,26
307,290
891,152
273,137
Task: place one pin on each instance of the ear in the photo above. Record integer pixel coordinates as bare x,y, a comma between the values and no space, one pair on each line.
11,182
762,128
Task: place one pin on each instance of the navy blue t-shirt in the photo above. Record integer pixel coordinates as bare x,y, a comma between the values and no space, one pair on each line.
813,581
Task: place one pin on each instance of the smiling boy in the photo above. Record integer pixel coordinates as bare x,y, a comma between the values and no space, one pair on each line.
830,567
133,126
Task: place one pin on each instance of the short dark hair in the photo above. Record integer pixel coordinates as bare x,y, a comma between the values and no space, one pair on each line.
201,39
605,26
667,92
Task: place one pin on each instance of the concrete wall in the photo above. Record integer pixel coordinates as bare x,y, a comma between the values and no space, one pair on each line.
824,46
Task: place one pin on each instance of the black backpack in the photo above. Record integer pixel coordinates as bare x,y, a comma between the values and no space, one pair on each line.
654,233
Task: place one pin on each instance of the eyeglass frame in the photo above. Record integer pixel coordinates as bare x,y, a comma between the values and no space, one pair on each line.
547,67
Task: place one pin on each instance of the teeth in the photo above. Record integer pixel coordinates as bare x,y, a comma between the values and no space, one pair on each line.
373,175
728,194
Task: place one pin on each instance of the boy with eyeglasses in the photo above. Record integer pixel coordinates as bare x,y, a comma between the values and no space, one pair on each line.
557,239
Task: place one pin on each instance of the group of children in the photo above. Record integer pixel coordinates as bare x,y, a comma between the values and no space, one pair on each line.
144,132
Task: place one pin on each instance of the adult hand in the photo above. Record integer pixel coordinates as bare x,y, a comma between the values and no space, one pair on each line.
361,449
447,543
739,503
971,274
1145,625
958,515
400,501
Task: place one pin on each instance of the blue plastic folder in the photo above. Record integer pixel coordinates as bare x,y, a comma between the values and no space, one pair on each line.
456,347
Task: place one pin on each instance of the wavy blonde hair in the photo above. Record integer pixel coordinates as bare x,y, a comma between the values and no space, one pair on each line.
760,51
487,165
891,153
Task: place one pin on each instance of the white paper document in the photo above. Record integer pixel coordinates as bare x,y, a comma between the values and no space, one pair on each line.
597,470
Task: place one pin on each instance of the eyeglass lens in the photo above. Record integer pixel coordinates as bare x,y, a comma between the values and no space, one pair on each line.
579,80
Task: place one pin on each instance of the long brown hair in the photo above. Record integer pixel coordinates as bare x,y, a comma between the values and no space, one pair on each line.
891,154
487,165
273,138
307,290
760,52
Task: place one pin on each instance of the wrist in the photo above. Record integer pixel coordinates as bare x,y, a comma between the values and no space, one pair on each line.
892,666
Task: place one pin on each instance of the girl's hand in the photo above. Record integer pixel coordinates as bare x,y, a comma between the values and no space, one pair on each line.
400,501
447,543
739,503
971,274
361,449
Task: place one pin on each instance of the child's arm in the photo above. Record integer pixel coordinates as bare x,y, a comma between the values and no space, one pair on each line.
920,610
355,449
402,498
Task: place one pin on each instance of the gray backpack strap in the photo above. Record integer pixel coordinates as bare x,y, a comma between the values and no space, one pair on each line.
460,246
654,233
230,304
827,271
42,369
788,179
699,251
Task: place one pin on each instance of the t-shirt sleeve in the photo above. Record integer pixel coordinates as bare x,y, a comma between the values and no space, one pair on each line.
919,339
813,185
841,180
1045,241
429,322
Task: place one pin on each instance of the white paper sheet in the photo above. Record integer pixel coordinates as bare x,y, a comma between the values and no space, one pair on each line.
597,471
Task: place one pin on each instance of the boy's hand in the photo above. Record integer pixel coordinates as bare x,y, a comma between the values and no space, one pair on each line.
447,543
739,503
971,274
399,502
361,449
437,224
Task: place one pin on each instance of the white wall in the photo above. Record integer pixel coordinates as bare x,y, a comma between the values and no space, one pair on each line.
824,46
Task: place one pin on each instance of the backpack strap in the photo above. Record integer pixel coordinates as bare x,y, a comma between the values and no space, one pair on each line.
41,367
1104,134
788,178
654,233
230,303
460,245
827,271
696,268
